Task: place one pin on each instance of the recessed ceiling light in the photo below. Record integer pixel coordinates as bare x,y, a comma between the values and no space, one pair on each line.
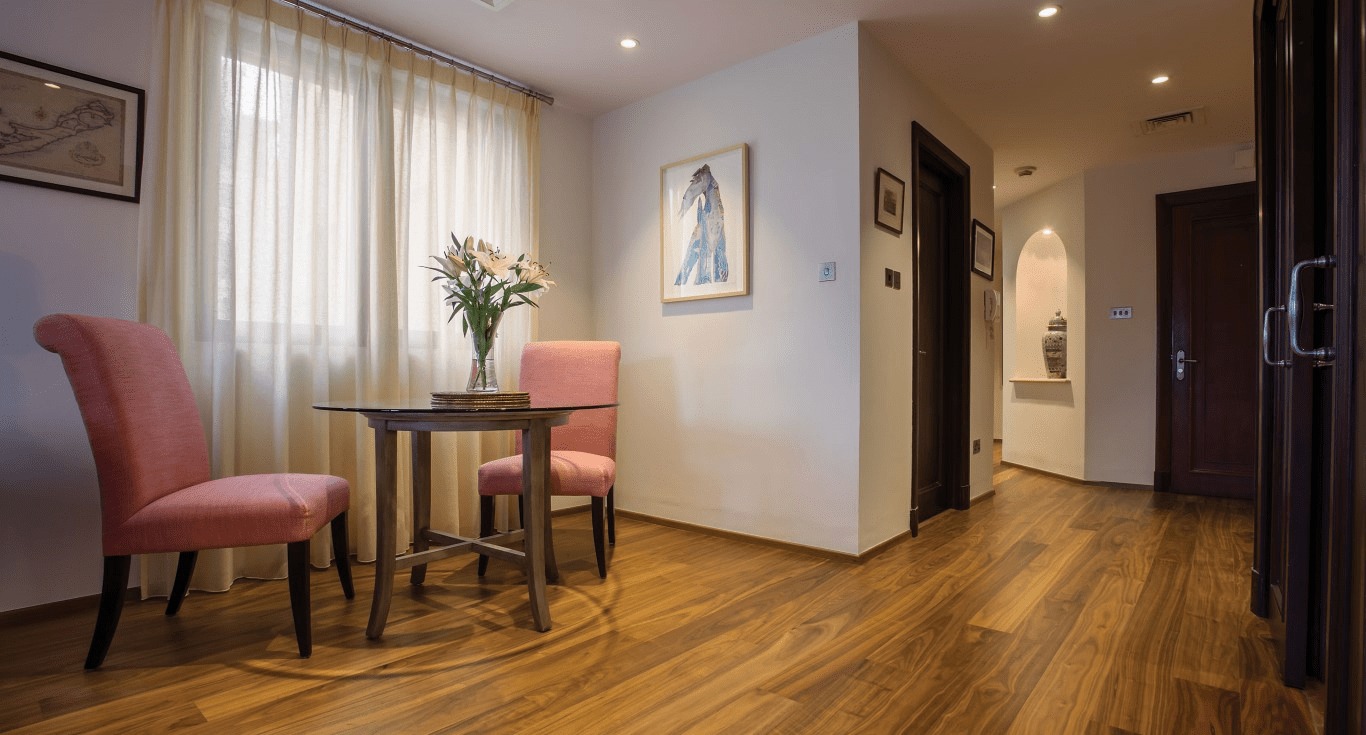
50,84
629,43
1160,79
1047,230
1048,11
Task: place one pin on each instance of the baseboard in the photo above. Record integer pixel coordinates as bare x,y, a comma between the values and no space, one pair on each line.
1079,481
984,496
736,536
49,610
570,510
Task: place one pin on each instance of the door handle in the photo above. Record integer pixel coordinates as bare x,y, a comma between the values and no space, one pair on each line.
1323,355
1181,362
1266,339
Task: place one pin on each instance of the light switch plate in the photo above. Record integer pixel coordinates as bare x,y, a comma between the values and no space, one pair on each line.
828,271
1122,312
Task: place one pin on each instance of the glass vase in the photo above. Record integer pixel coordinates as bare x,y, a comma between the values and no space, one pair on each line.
483,370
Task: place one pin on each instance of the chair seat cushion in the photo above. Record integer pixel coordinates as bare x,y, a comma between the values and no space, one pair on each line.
571,473
247,510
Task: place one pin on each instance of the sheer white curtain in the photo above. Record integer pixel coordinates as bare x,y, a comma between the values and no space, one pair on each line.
302,173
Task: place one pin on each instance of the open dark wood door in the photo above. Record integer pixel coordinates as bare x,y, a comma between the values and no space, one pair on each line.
1309,561
1291,496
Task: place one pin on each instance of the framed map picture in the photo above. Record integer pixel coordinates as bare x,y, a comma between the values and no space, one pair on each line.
704,226
67,130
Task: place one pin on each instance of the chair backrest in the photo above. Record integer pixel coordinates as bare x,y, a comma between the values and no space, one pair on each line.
575,372
139,410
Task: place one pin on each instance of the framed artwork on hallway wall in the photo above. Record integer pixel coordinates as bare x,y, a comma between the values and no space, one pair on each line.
66,130
983,250
889,202
704,226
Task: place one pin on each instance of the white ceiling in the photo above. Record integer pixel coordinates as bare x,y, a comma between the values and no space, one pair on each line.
1063,94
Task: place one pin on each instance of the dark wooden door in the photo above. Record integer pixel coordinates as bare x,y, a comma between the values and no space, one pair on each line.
1296,423
941,217
1309,549
1208,253
931,216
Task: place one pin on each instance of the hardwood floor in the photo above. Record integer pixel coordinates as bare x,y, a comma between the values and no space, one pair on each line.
1049,608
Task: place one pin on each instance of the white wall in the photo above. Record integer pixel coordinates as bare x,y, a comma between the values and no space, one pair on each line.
1121,237
59,251
1044,424
741,413
566,231
890,100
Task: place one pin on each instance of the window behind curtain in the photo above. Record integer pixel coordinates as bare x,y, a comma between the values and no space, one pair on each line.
300,175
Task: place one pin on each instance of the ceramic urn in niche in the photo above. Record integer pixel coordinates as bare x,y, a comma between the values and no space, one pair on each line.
1055,347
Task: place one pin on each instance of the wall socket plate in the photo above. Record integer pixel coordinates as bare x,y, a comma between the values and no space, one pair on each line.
828,271
976,446
1122,312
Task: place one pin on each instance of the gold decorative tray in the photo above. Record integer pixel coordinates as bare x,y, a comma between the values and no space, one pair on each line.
481,400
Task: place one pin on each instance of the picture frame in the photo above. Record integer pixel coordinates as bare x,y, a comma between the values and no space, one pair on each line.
62,129
889,202
704,226
983,250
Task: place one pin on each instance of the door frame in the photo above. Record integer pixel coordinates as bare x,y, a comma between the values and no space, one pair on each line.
929,151
1162,461
1345,634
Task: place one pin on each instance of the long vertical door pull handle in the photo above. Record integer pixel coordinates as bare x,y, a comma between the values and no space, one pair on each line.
1324,355
1266,339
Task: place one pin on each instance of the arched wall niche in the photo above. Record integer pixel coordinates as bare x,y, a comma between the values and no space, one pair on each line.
1040,292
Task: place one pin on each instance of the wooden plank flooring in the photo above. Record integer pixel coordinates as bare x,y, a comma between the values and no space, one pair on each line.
1050,608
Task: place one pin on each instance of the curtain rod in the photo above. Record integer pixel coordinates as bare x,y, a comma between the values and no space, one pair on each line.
417,48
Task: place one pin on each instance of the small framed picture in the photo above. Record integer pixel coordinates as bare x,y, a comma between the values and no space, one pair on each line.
983,250
704,226
66,130
889,202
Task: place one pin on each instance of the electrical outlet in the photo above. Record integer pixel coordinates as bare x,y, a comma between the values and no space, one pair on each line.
827,271
888,279
1122,312
896,280
976,446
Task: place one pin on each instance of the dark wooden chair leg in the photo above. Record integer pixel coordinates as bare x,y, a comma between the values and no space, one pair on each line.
184,569
298,596
111,606
599,512
612,515
341,549
485,527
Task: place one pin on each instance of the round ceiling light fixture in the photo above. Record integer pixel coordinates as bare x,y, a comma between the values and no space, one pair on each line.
629,43
1161,79
1026,171
1048,11
1047,230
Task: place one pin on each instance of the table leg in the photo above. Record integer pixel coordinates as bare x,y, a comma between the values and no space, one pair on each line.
422,498
386,522
535,466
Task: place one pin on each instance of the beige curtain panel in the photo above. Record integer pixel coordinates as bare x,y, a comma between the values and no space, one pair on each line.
300,174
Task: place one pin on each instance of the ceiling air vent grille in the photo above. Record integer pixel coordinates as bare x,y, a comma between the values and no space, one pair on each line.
492,4
1172,121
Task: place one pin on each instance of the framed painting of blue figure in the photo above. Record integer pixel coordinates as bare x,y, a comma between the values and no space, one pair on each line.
704,226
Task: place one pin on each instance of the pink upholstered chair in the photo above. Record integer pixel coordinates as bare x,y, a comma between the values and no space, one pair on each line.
153,467
582,452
